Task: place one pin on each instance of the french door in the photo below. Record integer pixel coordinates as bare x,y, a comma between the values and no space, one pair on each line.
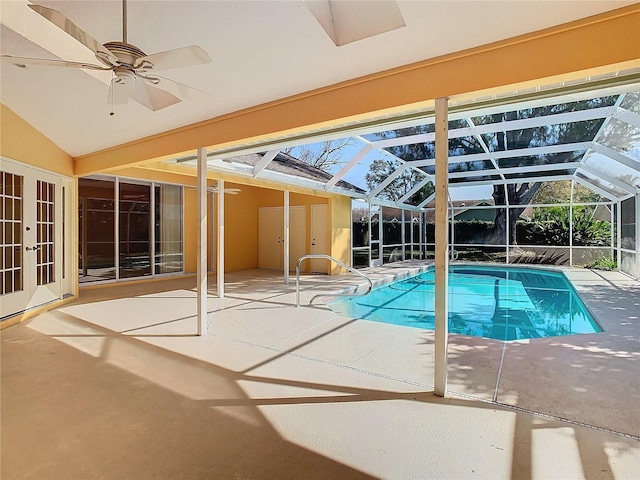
31,223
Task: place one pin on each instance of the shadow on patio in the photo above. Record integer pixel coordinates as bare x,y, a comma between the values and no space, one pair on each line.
104,388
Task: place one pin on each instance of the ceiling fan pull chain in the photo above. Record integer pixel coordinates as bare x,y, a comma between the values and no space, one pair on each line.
111,94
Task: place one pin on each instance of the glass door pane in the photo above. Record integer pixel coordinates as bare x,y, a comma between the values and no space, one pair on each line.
135,219
45,232
11,260
168,229
96,227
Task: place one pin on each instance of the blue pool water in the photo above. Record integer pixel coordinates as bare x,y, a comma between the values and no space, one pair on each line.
503,303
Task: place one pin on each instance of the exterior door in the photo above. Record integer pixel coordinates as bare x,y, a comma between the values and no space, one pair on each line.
297,235
320,237
31,218
271,241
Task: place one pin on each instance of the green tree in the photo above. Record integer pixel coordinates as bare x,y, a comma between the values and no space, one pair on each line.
560,192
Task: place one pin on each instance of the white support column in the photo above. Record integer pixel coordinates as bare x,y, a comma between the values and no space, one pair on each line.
619,232
201,243
442,247
116,222
637,273
507,205
573,185
152,228
286,237
220,271
613,231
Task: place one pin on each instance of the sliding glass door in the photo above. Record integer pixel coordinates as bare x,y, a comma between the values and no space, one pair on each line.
128,229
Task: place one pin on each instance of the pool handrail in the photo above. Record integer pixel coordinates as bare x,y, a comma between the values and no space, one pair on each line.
335,260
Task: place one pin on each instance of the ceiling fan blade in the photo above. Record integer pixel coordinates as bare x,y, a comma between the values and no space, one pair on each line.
62,22
177,89
24,61
119,92
179,57
151,97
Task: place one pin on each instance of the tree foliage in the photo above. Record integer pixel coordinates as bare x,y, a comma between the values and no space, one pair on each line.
560,192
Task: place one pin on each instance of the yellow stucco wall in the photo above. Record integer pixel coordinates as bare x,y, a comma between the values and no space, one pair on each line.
340,232
190,229
20,141
242,223
241,228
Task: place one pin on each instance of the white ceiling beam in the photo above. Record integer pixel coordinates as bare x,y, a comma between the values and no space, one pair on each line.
427,200
607,178
577,116
595,188
618,157
523,152
550,178
348,166
387,181
512,170
264,161
627,116
415,189
484,146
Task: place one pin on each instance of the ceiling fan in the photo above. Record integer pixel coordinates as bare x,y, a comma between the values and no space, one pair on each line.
228,191
133,70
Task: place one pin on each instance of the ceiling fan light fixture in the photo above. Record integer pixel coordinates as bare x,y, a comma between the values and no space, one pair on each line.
124,75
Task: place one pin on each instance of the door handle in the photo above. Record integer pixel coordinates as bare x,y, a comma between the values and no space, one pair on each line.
33,249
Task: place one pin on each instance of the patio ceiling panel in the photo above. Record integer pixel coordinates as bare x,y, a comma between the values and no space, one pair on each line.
598,172
618,157
600,186
584,181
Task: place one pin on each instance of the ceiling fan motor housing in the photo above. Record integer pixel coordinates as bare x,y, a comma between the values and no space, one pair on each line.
126,53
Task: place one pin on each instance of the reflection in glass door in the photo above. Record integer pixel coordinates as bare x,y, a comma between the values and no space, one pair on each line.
30,226
11,258
128,229
134,213
96,217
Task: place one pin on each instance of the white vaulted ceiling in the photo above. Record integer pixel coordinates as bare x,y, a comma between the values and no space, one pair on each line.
261,51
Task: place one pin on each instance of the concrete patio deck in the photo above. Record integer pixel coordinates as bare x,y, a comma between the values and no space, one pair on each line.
117,385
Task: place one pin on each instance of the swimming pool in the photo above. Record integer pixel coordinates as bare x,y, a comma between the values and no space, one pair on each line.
503,303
